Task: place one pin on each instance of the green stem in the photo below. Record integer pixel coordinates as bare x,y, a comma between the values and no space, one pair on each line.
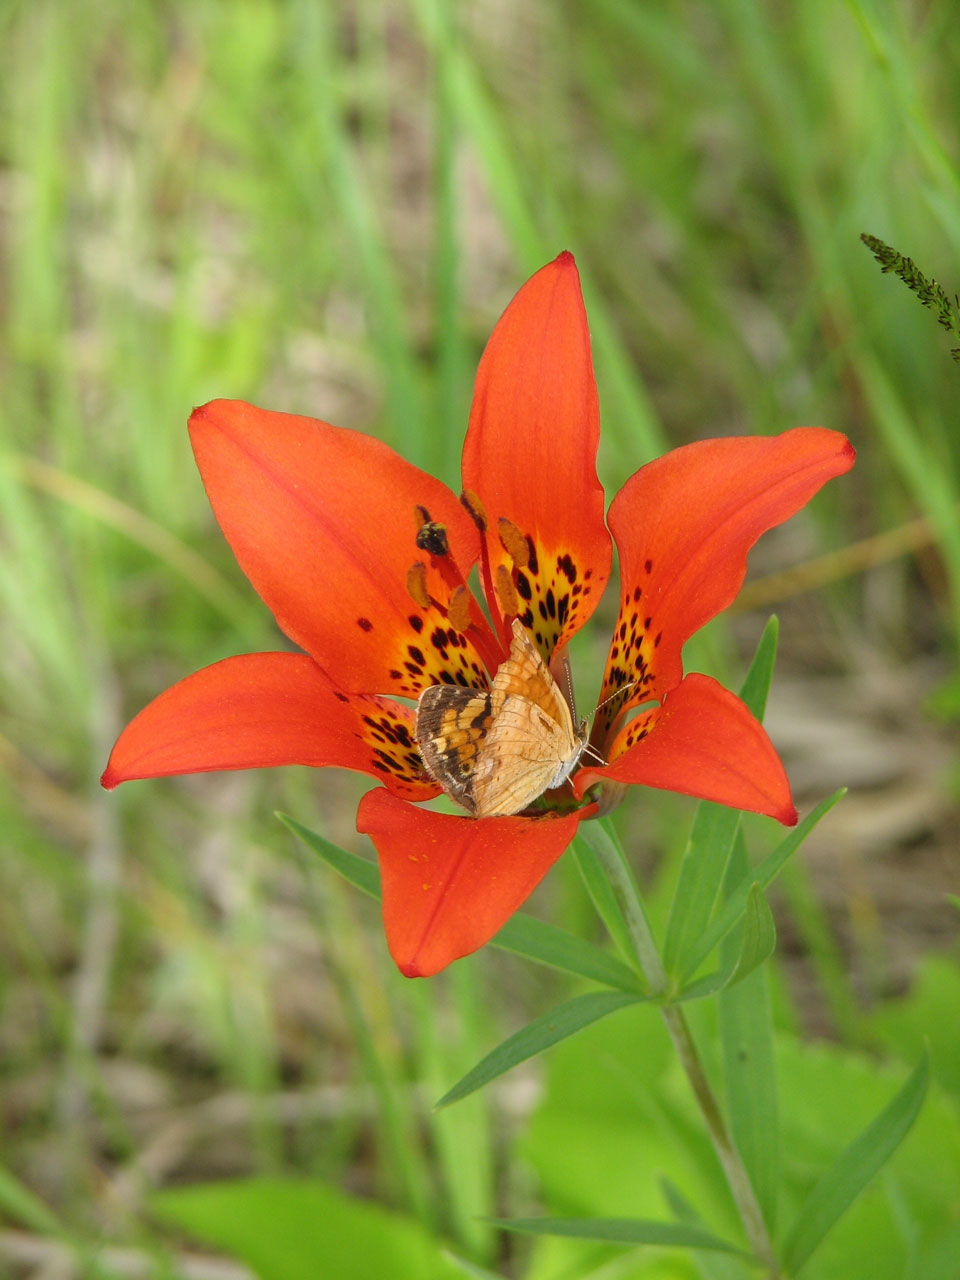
608,851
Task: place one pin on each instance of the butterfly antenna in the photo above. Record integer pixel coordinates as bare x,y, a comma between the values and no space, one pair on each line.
571,698
616,694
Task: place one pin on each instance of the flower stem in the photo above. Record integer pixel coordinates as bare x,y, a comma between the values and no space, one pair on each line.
611,857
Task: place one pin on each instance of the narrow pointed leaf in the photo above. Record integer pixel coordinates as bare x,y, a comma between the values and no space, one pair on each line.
541,1034
713,1266
712,834
746,1033
733,908
758,941
853,1169
628,1231
756,685
602,895
523,934
361,872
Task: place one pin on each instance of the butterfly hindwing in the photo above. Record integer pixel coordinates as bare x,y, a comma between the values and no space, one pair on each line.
452,725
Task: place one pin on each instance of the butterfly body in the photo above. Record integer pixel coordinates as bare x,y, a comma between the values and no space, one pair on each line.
495,751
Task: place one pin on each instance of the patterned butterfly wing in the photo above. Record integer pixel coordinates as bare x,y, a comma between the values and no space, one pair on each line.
452,724
530,744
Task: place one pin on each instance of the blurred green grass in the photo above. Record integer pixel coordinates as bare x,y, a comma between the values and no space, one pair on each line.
324,208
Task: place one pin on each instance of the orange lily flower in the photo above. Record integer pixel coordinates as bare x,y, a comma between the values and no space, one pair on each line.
364,559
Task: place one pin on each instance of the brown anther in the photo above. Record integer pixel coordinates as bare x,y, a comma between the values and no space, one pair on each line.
417,584
432,537
506,592
514,543
421,516
458,610
475,509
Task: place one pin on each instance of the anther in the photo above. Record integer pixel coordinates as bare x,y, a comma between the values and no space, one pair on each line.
432,537
514,543
506,592
421,516
417,584
475,509
458,610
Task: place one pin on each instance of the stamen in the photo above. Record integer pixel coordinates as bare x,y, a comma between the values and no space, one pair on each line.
475,509
458,610
478,515
462,611
507,592
417,584
514,543
432,538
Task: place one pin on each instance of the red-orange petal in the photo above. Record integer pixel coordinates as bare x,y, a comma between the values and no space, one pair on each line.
531,450
702,742
683,525
321,520
449,883
265,709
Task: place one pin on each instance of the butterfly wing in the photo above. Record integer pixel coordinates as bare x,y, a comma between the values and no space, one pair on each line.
530,744
452,723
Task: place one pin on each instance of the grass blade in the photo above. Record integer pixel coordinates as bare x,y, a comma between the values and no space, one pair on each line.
542,1033
853,1169
629,1231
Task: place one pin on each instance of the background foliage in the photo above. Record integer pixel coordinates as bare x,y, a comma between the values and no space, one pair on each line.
323,207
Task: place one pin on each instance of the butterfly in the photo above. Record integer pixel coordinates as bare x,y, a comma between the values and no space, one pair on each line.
495,751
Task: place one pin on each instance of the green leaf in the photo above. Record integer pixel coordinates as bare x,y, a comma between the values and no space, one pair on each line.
540,1034
758,941
713,1266
853,1169
523,935
361,872
602,895
756,686
291,1229
733,908
746,1034
628,1231
712,835
19,1204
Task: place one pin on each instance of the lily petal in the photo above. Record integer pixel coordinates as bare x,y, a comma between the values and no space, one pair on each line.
449,883
702,742
683,525
530,454
266,709
322,522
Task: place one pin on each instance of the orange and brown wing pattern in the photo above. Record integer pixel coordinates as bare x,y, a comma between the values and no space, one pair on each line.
495,752
531,744
452,726
526,675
